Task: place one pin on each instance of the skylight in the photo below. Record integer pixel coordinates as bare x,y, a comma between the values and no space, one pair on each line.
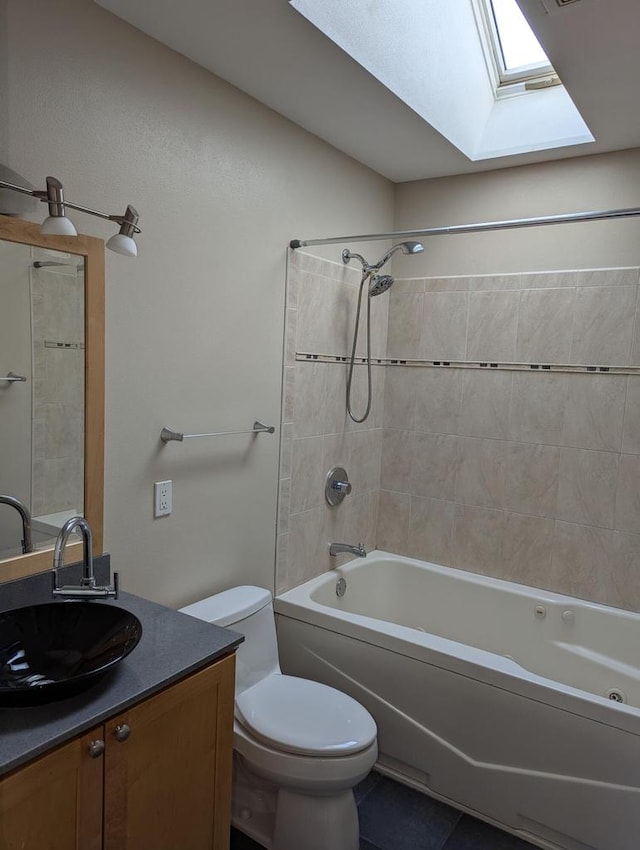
518,45
514,52
444,60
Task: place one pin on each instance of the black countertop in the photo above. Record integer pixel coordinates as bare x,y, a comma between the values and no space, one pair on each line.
172,646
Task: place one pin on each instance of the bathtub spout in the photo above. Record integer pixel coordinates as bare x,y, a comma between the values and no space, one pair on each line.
337,548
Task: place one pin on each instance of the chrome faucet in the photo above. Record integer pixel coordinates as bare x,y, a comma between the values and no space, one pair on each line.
337,548
23,510
87,589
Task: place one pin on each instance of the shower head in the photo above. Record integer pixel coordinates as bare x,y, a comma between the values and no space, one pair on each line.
379,283
405,247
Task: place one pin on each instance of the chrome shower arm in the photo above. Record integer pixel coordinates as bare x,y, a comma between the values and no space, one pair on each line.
348,255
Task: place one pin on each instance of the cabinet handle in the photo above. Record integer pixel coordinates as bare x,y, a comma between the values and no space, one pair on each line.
96,748
122,732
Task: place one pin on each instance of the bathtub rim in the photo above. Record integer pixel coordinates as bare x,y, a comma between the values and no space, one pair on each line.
460,658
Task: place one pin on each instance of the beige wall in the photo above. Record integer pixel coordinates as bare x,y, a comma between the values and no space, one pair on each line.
603,181
195,324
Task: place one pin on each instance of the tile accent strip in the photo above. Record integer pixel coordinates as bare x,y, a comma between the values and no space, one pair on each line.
472,364
52,343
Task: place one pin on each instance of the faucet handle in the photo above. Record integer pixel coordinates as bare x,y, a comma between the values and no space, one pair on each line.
337,485
342,487
84,591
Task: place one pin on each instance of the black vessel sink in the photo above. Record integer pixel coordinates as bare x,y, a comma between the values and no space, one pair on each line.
55,650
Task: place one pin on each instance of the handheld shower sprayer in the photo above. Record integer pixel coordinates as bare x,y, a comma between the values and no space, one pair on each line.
405,247
378,283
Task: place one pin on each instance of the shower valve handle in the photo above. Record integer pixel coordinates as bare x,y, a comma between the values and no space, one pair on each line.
336,485
343,487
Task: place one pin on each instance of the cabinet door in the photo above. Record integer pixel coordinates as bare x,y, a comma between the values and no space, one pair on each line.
55,803
168,767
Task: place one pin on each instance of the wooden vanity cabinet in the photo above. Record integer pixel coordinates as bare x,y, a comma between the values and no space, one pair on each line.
161,781
54,802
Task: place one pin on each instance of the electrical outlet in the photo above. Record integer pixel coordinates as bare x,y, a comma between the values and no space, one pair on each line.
163,497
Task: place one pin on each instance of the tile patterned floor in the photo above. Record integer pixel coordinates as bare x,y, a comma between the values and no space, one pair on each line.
394,817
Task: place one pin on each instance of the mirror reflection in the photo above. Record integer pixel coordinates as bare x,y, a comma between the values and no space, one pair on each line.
42,379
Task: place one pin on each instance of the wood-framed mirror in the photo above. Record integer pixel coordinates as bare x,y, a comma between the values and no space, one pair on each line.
53,265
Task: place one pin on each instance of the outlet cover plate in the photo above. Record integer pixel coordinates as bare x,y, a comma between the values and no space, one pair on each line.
163,498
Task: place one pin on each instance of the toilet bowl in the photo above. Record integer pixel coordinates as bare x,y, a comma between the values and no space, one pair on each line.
300,746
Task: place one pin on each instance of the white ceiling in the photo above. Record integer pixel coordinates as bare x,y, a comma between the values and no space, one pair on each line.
266,49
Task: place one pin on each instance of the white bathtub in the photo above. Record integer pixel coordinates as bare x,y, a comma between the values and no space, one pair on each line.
490,695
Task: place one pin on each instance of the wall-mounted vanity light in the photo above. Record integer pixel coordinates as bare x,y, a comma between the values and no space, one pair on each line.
123,242
57,222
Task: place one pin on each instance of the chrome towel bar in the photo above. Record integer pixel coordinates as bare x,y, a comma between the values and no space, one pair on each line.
166,435
12,378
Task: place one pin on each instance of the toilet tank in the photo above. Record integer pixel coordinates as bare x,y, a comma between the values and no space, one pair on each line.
248,610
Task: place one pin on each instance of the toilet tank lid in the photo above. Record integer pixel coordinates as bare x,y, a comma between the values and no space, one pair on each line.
230,606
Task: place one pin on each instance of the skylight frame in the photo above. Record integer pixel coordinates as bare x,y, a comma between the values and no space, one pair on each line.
508,81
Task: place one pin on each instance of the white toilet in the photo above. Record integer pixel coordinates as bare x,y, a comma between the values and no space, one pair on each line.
300,746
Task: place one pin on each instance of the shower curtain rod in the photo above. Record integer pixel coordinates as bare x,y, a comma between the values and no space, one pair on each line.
479,227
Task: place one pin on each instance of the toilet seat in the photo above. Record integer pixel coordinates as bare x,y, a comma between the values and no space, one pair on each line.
309,774
302,717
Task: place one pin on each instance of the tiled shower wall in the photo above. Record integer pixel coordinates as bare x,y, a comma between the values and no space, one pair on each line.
316,432
532,475
58,389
